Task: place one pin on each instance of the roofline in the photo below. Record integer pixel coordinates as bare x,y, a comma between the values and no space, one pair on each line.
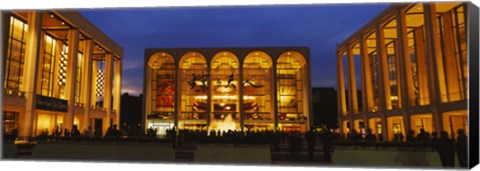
75,19
385,14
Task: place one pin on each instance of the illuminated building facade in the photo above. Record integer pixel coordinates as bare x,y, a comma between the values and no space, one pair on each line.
410,63
227,88
59,71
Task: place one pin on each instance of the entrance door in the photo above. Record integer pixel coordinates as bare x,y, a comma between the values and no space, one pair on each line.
97,127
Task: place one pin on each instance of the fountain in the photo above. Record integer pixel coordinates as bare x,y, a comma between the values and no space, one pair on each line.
223,125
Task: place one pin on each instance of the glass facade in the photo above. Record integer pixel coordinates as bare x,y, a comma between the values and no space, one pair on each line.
15,54
228,90
37,69
413,51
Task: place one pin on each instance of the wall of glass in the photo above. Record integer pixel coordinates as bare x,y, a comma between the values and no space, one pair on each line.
162,86
291,68
391,46
374,63
417,65
210,88
225,87
193,88
451,33
15,54
257,87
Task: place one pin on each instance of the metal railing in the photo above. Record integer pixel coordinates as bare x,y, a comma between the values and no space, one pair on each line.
14,92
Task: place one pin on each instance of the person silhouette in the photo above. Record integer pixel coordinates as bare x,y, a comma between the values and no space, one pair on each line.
310,137
446,149
327,144
461,147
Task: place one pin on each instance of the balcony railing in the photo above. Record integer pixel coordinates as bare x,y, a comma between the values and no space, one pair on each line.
298,117
258,116
14,92
79,105
98,108
192,115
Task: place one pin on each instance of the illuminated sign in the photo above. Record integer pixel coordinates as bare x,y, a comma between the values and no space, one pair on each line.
51,104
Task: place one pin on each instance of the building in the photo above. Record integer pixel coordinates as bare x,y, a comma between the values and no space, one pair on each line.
57,66
411,61
324,102
131,112
227,88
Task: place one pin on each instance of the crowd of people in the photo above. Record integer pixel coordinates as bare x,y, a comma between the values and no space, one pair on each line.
445,146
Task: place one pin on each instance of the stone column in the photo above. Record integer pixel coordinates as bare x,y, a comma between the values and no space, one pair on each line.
352,88
107,97
403,58
240,96
30,72
384,89
93,91
352,82
275,94
209,95
87,84
340,90
71,78
366,83
117,88
433,64
177,100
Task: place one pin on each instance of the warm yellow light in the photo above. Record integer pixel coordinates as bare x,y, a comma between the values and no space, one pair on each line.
249,97
393,97
200,97
225,97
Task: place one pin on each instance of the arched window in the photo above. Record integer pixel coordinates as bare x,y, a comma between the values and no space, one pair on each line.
161,71
292,89
225,89
193,88
257,90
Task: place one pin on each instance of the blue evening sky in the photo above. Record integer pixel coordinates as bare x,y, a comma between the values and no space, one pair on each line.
319,27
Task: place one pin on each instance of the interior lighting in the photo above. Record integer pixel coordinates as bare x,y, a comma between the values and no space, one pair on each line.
51,15
100,82
63,68
63,23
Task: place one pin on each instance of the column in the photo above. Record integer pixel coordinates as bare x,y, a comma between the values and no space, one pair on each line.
177,112
352,83
275,94
340,90
352,88
433,61
117,88
93,91
366,83
30,67
242,110
87,84
107,97
404,71
71,77
209,95
383,80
